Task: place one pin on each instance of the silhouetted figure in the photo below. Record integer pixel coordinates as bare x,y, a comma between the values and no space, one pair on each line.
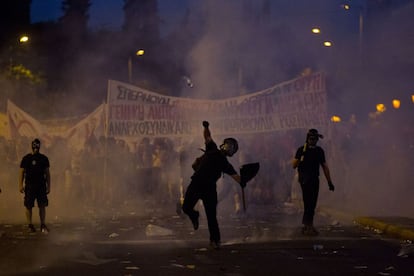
307,160
207,170
34,170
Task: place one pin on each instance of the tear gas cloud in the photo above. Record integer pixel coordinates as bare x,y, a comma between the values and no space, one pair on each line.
235,54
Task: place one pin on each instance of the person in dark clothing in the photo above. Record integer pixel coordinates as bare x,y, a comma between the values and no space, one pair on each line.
307,160
34,172
207,170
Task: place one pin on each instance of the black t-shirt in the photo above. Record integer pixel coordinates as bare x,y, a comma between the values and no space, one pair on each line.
213,164
34,166
313,158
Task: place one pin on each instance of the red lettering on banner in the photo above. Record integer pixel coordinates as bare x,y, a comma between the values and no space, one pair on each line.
164,112
126,112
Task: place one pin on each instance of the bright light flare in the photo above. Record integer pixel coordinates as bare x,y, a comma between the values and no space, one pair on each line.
140,52
316,30
412,98
381,108
327,43
23,39
346,7
335,119
396,103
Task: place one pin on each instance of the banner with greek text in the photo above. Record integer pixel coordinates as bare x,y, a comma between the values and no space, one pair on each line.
136,112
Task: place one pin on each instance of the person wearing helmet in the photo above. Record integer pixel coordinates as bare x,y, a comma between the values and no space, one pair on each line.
207,170
34,174
307,160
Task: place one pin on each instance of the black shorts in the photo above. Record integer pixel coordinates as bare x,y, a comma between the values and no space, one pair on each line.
35,193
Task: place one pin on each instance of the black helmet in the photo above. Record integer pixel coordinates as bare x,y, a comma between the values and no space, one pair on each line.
314,134
229,146
36,144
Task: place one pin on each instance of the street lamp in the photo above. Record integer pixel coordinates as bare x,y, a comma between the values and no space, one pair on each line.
335,119
347,7
396,103
380,108
23,39
316,30
16,48
138,53
327,43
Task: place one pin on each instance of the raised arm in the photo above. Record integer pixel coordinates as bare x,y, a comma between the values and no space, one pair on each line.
206,132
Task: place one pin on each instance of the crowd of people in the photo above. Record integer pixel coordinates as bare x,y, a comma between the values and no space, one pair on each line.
109,171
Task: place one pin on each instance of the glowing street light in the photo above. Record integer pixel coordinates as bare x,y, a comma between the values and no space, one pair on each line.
138,53
327,43
396,103
335,119
381,108
23,39
316,30
16,49
412,98
347,7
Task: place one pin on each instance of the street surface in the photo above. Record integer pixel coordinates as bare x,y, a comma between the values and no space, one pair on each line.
156,241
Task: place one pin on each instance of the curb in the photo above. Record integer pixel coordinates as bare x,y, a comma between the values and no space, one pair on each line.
394,230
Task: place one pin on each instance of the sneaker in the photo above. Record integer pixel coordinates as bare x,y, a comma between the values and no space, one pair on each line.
44,229
215,245
31,228
194,220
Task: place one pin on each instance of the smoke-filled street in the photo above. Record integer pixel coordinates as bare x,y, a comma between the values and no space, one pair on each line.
139,240
116,117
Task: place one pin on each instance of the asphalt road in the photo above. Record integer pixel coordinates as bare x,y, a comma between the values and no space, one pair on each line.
156,241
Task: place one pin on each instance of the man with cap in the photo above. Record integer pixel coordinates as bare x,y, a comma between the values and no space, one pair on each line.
34,174
207,170
307,160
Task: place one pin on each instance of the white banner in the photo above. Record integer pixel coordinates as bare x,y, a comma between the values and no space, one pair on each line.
22,124
132,112
87,129
135,112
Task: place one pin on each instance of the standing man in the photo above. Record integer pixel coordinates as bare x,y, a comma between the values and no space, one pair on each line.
307,160
34,170
207,170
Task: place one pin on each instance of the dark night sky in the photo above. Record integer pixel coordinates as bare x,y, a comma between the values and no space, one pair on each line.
104,13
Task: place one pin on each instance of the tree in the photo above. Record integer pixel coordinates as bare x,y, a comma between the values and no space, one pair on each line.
75,17
142,19
141,30
14,20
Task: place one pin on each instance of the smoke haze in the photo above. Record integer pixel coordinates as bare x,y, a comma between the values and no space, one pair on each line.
237,54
